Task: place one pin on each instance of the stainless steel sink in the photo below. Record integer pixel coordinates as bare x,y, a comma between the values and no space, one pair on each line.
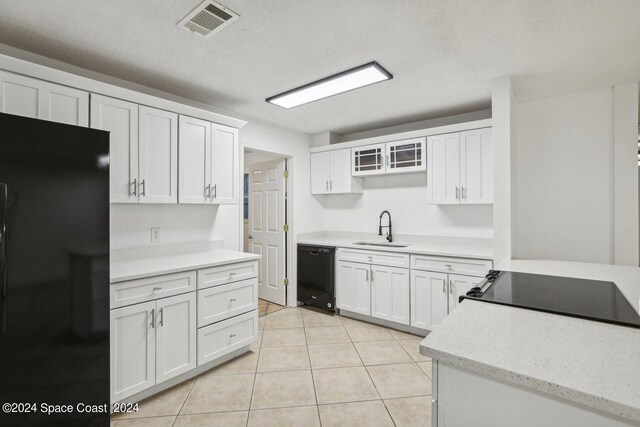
382,244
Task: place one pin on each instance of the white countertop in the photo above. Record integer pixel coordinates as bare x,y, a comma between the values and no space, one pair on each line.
592,363
130,264
463,247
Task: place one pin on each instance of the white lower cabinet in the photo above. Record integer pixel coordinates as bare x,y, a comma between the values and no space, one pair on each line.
133,341
163,328
390,293
224,337
353,289
151,342
435,295
373,290
175,336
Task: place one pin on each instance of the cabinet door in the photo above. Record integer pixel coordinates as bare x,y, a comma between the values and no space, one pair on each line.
429,302
390,294
175,336
406,156
158,156
133,343
25,96
338,179
194,148
443,167
353,292
368,160
224,164
476,166
459,286
120,118
320,171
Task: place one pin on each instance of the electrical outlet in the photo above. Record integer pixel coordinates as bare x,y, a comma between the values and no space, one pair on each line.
155,234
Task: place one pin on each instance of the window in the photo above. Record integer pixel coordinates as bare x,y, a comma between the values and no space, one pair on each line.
246,196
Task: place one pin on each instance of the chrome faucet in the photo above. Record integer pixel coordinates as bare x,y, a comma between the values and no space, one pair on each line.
380,226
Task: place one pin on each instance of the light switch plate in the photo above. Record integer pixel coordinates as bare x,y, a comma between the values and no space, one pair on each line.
155,234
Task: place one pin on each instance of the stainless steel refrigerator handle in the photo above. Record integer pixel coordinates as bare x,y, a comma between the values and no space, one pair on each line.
3,258
153,318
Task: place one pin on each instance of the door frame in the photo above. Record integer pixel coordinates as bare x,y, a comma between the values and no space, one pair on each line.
289,240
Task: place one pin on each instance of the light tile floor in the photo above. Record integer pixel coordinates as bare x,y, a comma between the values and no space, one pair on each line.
306,369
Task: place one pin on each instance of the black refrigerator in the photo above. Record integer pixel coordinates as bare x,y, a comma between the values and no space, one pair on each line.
54,274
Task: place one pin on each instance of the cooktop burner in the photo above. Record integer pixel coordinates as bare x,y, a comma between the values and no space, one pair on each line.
589,299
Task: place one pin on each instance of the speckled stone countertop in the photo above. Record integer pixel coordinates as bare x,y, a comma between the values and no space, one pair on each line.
137,263
591,363
463,247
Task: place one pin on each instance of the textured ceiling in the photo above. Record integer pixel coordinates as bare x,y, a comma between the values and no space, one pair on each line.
442,53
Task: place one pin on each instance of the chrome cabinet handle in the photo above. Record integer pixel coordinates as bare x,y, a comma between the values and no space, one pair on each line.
232,300
451,285
232,335
157,288
371,276
135,188
215,191
326,184
144,191
448,266
153,318
162,316
464,196
457,192
367,279
330,185
231,275
207,191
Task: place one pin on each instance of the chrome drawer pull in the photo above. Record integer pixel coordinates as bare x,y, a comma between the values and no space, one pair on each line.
157,288
232,335
232,300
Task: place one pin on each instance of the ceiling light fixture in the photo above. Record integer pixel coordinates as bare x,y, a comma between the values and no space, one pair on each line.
355,78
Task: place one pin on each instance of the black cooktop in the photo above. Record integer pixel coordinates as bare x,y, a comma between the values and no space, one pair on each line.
589,299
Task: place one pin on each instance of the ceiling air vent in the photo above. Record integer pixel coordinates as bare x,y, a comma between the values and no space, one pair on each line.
208,18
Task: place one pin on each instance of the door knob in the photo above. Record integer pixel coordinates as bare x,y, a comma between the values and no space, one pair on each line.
250,236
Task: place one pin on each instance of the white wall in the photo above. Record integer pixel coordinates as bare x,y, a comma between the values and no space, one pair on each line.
565,168
404,196
503,134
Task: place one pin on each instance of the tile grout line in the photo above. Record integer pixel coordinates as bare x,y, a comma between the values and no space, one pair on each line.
185,400
255,374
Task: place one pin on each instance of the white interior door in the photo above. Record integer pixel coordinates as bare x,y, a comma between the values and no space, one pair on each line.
266,227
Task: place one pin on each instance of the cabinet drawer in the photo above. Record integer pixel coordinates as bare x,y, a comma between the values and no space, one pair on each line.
151,288
391,259
471,267
227,273
224,301
224,337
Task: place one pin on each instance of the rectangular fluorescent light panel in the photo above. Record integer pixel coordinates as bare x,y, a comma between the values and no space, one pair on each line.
345,81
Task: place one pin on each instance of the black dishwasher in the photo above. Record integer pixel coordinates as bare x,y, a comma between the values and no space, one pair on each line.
316,271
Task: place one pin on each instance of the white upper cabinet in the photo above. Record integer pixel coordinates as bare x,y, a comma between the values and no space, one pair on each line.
25,96
224,161
208,162
476,166
406,156
320,172
158,156
368,160
195,166
120,118
460,168
331,173
443,178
